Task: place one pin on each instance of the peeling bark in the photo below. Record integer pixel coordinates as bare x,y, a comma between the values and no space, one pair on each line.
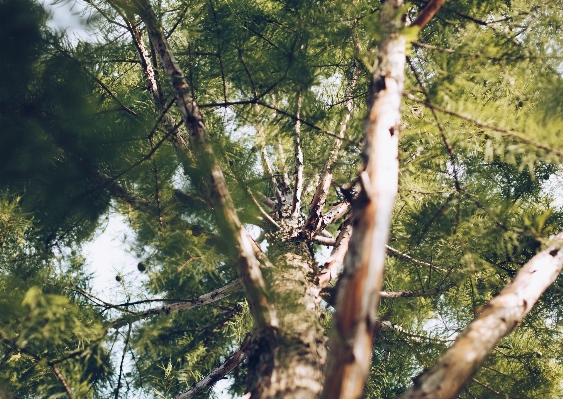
498,318
360,284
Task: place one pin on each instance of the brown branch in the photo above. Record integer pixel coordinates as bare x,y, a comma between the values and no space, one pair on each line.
428,13
351,340
510,133
336,258
62,381
229,365
498,318
217,192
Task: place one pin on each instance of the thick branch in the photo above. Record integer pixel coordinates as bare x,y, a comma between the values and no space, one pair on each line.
498,318
230,364
217,192
361,281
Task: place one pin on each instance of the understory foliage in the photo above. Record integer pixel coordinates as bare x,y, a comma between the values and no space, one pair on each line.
82,140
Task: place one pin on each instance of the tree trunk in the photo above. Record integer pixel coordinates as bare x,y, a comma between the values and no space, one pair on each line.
290,364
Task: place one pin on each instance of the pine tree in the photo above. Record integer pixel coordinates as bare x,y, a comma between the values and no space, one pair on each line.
416,141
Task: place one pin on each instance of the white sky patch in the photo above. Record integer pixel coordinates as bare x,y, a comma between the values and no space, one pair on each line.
69,17
107,256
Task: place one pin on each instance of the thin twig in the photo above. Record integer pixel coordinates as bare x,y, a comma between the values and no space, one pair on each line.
62,381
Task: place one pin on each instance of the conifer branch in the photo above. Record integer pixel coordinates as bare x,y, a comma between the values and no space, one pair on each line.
393,252
201,300
217,192
498,318
388,326
511,133
440,127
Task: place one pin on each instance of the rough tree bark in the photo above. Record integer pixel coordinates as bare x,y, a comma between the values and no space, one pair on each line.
290,364
498,318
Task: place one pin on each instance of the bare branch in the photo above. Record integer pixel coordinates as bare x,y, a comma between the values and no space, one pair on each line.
336,258
498,318
230,364
201,300
298,163
63,382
